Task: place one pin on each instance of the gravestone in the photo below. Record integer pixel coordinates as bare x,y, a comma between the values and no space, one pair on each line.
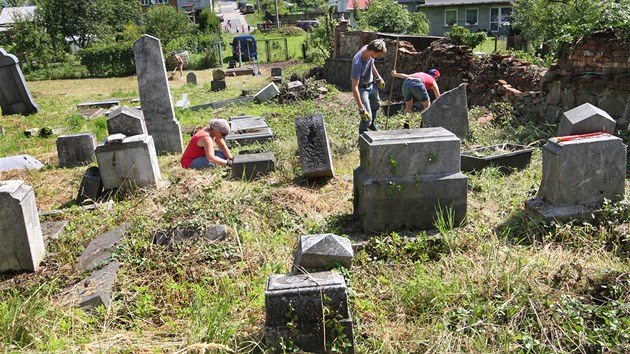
218,74
243,125
20,162
21,240
95,290
322,252
315,156
99,250
52,230
155,96
191,79
15,97
585,119
276,71
407,177
127,121
250,166
295,307
128,161
91,186
246,130
449,111
210,233
184,103
76,149
268,92
217,85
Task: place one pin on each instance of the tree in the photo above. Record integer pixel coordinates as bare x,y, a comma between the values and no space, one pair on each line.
31,42
388,16
167,23
209,22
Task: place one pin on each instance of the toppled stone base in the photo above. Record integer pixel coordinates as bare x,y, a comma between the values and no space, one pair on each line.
541,209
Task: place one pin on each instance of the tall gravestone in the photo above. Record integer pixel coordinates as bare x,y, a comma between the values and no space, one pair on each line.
21,241
155,96
315,156
449,111
15,97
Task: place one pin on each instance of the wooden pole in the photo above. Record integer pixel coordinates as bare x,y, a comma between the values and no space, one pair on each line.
391,89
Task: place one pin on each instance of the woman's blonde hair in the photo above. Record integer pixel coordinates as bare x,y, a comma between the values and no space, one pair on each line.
220,125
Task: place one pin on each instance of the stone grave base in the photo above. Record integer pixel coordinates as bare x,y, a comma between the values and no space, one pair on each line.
251,136
250,166
408,202
309,338
217,85
540,209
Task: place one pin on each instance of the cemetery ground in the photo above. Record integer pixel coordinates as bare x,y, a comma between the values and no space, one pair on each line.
501,282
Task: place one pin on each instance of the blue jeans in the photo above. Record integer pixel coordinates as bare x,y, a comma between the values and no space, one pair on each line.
372,102
202,162
414,89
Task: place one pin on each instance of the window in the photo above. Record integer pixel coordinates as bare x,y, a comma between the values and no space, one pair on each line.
144,2
500,18
471,17
450,17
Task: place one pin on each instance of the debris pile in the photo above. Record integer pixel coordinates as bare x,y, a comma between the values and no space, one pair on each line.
304,89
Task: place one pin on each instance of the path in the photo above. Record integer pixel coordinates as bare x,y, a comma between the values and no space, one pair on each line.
232,14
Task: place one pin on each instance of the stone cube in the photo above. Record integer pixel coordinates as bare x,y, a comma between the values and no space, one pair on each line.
249,166
449,111
315,155
322,252
21,240
76,149
127,121
268,92
585,119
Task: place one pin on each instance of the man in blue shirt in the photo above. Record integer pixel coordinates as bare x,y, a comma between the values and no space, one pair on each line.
366,83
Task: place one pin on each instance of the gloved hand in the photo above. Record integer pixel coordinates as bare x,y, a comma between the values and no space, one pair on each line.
364,115
380,84
230,162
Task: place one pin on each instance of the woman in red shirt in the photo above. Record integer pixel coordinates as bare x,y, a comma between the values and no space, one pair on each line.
201,150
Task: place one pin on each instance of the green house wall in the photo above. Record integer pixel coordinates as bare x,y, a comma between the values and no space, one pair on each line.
435,15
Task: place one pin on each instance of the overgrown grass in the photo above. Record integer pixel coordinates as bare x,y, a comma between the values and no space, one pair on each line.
502,282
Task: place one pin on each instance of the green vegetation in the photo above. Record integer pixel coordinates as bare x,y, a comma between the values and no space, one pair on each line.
391,17
461,36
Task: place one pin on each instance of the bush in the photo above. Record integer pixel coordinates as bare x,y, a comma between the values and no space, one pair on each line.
115,59
461,36
209,22
57,71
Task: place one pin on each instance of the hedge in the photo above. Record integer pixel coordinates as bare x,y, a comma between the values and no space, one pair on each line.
104,60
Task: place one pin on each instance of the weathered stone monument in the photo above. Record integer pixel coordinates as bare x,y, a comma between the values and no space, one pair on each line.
449,111
218,80
407,177
21,241
295,307
322,252
585,119
15,97
130,161
155,96
191,79
250,166
76,149
315,156
127,121
268,92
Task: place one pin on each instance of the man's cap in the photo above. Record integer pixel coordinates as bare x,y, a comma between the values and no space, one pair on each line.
220,125
435,73
377,45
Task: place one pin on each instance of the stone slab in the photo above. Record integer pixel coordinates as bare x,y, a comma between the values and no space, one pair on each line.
91,186
251,137
211,233
541,209
322,252
239,71
268,92
98,104
128,121
99,250
52,230
15,97
449,111
76,149
250,166
239,101
97,289
244,125
585,119
294,86
21,241
191,79
20,162
313,145
583,171
409,152
242,116
92,113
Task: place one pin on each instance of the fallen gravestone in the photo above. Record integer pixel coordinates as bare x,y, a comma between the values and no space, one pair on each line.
246,130
250,166
449,111
298,308
91,186
315,156
99,250
98,104
216,105
127,121
407,178
585,119
94,291
20,162
268,92
184,103
21,240
91,113
15,97
76,149
155,96
52,230
322,252
211,233
191,79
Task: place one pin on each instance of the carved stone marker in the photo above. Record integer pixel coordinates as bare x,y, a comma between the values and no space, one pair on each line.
449,111
268,92
249,166
20,162
407,177
295,305
155,96
21,241
130,161
15,97
76,149
91,186
315,156
585,119
322,252
127,121
191,79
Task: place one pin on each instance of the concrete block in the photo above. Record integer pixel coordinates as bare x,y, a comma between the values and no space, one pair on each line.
21,240
409,152
211,233
585,119
322,252
127,121
315,155
250,166
217,85
76,149
191,79
99,250
268,92
15,97
91,186
449,111
20,162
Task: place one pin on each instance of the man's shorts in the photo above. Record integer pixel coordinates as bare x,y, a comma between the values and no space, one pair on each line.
414,89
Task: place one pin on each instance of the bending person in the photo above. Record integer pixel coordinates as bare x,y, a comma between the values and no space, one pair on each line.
180,64
415,87
201,151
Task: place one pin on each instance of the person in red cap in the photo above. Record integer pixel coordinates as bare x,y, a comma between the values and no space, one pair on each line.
200,152
415,87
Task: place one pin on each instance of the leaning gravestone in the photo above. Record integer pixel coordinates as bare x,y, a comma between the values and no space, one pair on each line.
76,149
298,308
21,241
268,92
127,121
20,162
449,111
15,97
191,79
407,177
91,186
315,156
322,252
585,119
155,96
249,166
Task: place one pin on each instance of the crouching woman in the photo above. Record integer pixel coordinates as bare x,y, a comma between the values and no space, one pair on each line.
202,151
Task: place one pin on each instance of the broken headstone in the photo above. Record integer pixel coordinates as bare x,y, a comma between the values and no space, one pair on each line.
315,156
127,121
449,111
76,149
585,119
322,252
